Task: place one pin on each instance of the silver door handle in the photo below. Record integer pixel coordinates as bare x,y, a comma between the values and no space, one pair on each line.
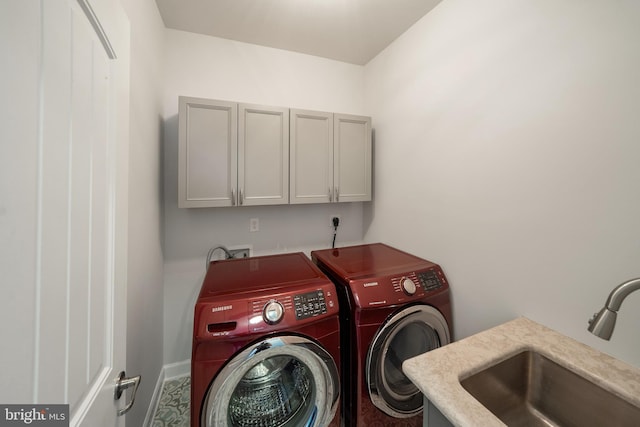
233,197
240,197
337,198
330,195
122,384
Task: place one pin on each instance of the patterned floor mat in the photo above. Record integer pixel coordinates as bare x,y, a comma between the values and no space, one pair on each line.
173,408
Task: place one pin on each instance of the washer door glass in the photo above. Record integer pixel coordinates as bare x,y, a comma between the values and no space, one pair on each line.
406,334
279,382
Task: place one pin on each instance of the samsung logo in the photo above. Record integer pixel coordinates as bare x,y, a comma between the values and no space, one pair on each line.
222,308
370,284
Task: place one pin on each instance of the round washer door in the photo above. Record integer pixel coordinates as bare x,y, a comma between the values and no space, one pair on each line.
406,334
283,381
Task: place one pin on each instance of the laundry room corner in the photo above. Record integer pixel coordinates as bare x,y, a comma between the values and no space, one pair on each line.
145,297
211,67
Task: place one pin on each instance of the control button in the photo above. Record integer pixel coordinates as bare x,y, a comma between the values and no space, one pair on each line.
408,286
273,312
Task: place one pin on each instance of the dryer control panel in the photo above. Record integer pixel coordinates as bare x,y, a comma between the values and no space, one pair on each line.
398,289
378,275
429,280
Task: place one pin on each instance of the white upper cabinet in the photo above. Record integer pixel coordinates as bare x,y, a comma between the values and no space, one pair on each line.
207,153
311,157
330,157
352,158
263,155
232,154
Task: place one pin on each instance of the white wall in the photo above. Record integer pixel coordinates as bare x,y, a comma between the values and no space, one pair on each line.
145,297
512,128
209,67
20,33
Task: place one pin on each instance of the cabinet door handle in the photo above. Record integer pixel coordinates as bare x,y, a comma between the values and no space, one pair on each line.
330,195
233,197
240,197
337,194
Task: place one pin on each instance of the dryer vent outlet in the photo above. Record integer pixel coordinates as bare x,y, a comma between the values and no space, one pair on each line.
240,253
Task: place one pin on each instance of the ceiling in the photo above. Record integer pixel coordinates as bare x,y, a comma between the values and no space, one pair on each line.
351,31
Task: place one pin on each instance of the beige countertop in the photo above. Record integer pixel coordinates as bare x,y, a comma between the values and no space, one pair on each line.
437,373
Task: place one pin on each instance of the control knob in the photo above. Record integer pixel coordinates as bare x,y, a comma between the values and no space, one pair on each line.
273,312
408,286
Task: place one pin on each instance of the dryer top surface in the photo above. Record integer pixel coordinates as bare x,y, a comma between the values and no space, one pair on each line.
371,260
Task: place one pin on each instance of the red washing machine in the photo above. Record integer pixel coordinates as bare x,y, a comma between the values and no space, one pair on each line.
266,345
394,306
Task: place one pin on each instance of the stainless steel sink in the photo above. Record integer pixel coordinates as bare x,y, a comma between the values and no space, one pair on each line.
531,390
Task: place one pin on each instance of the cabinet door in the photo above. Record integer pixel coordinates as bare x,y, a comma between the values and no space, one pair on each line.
207,153
263,155
352,158
311,170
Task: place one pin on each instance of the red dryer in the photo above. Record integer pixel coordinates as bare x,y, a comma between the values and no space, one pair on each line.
266,343
394,306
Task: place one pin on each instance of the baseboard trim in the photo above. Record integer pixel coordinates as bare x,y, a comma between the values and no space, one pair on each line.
168,372
177,370
155,399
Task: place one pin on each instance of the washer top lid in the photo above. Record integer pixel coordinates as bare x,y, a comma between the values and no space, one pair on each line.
260,274
376,259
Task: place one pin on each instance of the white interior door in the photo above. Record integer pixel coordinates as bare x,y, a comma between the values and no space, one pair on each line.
63,208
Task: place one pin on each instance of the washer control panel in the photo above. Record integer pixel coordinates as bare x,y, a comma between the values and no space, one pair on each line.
273,312
309,304
282,310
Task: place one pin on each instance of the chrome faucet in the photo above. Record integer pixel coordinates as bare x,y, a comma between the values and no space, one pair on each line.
602,323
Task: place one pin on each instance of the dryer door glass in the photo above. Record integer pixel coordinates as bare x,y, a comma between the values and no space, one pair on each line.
406,334
280,382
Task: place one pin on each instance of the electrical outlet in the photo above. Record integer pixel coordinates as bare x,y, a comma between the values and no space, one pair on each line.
331,220
240,253
254,225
